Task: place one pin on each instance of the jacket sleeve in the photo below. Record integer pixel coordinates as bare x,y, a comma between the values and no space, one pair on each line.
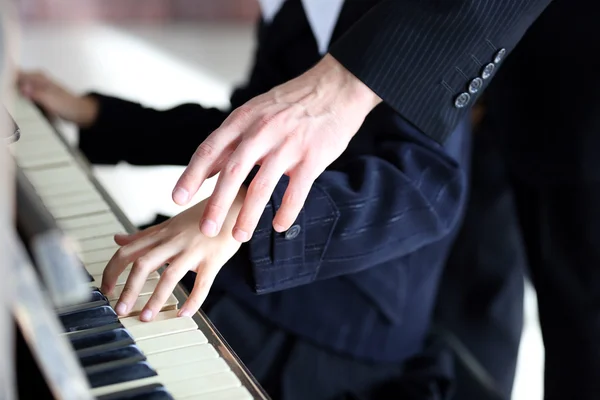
372,209
420,56
128,131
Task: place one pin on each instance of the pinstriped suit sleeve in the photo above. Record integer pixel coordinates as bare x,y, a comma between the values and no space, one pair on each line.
419,55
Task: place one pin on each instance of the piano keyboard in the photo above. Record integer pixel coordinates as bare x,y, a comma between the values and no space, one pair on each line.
123,358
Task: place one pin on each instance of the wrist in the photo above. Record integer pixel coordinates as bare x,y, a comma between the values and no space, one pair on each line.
358,96
88,111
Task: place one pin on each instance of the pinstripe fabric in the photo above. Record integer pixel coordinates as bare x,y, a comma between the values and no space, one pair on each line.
419,55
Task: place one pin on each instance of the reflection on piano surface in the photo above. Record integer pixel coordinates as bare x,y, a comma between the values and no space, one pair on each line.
121,358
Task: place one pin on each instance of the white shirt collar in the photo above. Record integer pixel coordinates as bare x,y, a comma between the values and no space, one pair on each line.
322,16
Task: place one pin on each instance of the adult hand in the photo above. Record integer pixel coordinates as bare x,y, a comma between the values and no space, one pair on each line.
56,99
297,129
179,242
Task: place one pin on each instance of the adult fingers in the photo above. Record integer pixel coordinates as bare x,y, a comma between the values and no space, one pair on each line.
301,180
208,154
258,195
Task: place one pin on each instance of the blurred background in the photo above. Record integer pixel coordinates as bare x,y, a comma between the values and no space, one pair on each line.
162,53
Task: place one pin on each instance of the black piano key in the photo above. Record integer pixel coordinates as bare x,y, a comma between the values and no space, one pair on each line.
109,353
81,307
96,341
88,319
155,391
118,372
79,335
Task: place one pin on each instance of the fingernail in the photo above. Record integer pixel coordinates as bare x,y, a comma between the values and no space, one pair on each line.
180,195
185,313
240,235
121,308
146,315
278,228
209,227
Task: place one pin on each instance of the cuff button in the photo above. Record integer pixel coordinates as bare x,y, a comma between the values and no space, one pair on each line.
293,232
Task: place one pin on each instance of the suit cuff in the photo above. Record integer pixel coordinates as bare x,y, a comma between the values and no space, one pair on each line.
292,258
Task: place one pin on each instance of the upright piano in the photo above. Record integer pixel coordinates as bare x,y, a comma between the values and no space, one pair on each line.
67,331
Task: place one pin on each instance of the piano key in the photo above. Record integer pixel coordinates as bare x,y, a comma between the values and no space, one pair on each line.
95,339
172,342
108,353
81,307
98,256
182,356
237,393
73,198
57,175
87,220
141,301
98,268
121,279
118,372
44,160
92,207
87,319
148,288
63,188
194,369
149,330
82,335
96,231
149,392
203,384
121,387
98,243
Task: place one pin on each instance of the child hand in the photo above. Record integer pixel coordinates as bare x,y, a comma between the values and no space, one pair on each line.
180,243
57,100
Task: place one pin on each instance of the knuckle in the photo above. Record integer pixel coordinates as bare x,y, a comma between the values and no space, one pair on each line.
142,264
206,150
260,187
127,292
233,168
243,112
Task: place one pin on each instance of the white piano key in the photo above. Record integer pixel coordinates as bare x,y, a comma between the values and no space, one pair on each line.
203,384
73,198
165,323
63,188
98,268
141,301
182,356
51,176
148,288
45,160
98,256
87,220
96,243
172,342
121,387
95,231
237,393
192,370
122,279
78,209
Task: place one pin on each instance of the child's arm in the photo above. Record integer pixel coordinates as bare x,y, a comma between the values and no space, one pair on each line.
114,130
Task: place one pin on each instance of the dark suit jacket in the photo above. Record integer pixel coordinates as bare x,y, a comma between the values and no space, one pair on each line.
361,275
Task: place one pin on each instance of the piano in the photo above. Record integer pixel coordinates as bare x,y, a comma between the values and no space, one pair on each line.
66,223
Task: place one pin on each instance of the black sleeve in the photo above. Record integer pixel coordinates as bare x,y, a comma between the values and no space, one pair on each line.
420,56
128,131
